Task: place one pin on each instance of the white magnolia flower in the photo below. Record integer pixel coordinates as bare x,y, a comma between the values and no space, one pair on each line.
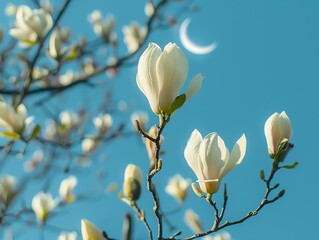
90,231
134,36
13,120
67,236
161,76
151,146
102,28
67,78
178,187
149,9
210,160
103,122
42,205
7,188
31,25
35,160
66,189
141,117
132,182
55,48
70,120
277,129
89,145
222,236
11,9
193,221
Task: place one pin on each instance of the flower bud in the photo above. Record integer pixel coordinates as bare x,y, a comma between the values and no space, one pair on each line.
132,182
178,187
278,132
66,188
193,221
42,205
90,231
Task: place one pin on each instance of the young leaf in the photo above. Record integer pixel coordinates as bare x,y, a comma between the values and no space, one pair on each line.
178,102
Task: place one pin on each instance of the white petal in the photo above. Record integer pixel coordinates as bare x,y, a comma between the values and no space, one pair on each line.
236,156
172,70
146,76
194,86
191,151
285,125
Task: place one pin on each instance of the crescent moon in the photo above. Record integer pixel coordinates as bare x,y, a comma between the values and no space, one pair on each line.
189,45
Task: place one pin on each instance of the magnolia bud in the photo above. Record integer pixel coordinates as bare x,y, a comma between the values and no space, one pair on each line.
132,182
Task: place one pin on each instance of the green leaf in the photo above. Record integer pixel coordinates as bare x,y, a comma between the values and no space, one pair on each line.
35,132
291,166
72,54
178,102
11,135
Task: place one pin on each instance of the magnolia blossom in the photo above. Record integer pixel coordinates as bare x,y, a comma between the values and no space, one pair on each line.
132,182
161,76
103,29
141,117
149,9
67,236
277,130
35,160
151,146
134,36
7,189
67,78
210,160
11,119
103,122
66,188
89,145
11,9
55,48
70,120
31,25
42,205
178,187
193,221
90,231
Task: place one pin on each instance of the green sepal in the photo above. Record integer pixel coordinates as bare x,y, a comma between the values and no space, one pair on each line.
11,135
35,132
178,103
292,166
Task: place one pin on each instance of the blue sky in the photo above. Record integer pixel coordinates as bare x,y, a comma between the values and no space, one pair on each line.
267,61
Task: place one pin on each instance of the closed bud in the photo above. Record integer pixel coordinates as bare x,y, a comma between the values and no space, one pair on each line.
132,182
282,193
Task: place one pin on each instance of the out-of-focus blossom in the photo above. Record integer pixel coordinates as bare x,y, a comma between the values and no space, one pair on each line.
65,34
193,221
55,48
70,120
35,160
178,187
278,132
51,130
103,123
132,182
13,120
149,9
67,236
11,9
151,146
46,6
102,28
67,78
66,189
161,75
210,160
7,189
88,66
90,231
141,117
31,25
89,145
134,36
42,205
221,236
